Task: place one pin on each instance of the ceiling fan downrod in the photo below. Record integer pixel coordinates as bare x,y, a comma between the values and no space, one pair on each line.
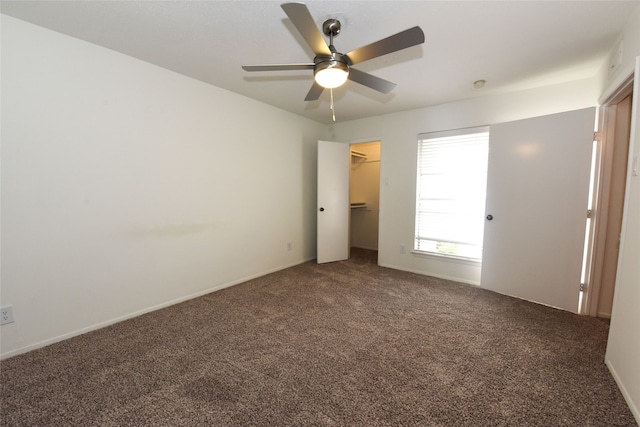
331,71
331,28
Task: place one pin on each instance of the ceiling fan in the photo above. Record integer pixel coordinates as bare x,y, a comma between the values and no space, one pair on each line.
332,68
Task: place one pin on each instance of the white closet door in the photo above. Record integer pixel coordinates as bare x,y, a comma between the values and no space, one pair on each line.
333,201
537,194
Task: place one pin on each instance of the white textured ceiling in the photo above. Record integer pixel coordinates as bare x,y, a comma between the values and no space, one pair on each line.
513,45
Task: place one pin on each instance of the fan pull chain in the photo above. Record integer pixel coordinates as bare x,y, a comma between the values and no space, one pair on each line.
333,111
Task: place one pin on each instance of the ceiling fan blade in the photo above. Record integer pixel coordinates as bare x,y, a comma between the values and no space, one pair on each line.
371,81
303,21
402,40
278,67
314,92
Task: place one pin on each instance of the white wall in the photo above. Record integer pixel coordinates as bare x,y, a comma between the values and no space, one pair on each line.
398,134
630,36
126,187
623,348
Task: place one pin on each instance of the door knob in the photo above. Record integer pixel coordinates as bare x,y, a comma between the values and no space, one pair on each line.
489,217
321,209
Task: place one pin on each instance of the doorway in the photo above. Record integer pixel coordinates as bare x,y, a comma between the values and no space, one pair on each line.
364,196
341,209
615,127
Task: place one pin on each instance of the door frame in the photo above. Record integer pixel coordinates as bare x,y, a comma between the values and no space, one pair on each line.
595,251
348,146
380,184
351,147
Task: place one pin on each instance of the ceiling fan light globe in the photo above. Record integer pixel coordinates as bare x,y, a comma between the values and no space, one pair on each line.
331,74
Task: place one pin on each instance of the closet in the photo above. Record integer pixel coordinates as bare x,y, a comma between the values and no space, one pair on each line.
364,195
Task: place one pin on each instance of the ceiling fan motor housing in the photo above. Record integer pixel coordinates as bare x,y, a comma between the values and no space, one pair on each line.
335,60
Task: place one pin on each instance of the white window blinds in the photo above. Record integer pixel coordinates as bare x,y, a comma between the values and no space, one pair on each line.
451,191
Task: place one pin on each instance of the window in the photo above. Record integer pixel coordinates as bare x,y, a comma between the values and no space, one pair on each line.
451,191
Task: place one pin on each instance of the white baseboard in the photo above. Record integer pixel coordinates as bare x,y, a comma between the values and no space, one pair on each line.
364,247
627,397
101,325
439,276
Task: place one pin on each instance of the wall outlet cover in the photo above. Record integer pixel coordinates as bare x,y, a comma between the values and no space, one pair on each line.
6,315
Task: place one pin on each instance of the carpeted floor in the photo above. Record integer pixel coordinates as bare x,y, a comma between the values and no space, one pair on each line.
340,344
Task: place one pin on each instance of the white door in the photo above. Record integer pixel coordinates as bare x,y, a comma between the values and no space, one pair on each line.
537,194
333,201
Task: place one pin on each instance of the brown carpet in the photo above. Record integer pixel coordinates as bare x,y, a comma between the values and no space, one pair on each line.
342,344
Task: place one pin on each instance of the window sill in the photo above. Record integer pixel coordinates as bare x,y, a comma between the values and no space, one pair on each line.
448,258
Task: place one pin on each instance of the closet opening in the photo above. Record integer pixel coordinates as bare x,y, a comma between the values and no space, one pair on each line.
364,197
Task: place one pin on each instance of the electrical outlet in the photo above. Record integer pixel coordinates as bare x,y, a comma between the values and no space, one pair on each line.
289,246
6,315
403,249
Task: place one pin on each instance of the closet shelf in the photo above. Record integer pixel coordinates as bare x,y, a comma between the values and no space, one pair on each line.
358,154
358,205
